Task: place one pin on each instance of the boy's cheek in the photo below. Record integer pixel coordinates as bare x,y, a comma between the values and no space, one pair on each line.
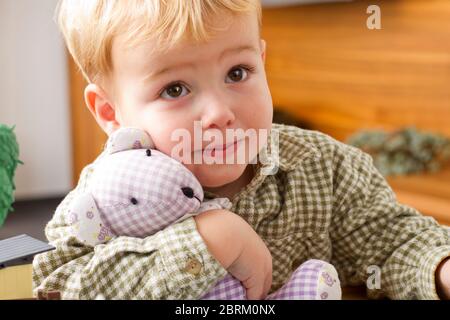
162,129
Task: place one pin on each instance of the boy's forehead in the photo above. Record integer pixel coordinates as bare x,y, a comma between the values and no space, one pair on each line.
240,35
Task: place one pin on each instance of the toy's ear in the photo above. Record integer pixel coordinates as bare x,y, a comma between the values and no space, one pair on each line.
86,224
127,139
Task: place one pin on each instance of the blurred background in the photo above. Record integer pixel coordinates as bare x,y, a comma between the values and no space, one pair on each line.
326,69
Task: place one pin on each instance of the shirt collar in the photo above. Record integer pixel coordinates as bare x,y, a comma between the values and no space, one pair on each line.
286,150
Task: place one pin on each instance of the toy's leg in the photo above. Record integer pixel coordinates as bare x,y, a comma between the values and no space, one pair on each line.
313,280
229,288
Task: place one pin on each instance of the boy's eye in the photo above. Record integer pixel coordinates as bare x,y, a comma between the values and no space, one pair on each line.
237,74
173,91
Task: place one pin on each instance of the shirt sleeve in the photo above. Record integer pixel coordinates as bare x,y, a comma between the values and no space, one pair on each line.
372,234
171,264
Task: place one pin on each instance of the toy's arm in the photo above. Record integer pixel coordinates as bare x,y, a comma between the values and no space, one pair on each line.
171,264
87,225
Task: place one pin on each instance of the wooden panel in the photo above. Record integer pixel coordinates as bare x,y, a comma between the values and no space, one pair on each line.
327,68
87,137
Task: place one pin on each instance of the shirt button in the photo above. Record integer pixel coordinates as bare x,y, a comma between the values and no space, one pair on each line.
193,266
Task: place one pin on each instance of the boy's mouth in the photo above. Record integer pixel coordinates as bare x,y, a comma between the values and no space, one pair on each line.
221,149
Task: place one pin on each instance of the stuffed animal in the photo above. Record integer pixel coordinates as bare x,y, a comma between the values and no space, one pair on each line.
137,191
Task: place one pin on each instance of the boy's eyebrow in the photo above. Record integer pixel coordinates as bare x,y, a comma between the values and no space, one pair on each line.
228,51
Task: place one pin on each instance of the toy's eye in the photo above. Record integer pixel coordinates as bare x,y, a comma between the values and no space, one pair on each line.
134,201
188,192
149,153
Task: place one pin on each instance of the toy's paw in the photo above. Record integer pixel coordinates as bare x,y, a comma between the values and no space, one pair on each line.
86,223
313,280
229,288
128,138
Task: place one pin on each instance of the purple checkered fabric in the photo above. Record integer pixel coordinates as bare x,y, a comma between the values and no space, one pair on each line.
229,288
138,195
313,280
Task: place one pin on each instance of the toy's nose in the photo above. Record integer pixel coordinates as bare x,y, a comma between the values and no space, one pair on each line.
189,192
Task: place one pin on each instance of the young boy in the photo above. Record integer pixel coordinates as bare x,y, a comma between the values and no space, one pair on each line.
164,65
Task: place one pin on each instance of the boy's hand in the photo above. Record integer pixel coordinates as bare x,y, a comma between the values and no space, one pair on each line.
443,279
239,249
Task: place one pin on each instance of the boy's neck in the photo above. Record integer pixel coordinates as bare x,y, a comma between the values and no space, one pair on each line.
231,189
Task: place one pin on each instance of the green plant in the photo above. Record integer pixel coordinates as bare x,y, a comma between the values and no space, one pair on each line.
404,151
9,153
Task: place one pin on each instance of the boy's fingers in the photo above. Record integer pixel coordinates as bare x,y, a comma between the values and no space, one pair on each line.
255,293
255,289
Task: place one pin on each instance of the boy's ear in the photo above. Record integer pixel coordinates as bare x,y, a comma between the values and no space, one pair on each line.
101,108
263,50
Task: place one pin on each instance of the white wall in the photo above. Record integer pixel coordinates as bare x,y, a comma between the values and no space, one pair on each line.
34,96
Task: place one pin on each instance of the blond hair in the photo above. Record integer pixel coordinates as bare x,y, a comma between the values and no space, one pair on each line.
90,26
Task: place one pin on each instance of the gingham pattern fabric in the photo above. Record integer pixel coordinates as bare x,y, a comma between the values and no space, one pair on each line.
327,201
313,280
154,183
229,288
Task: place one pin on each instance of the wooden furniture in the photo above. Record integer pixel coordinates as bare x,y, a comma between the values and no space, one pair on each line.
87,137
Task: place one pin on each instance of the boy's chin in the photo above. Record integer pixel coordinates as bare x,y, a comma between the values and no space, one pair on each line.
218,175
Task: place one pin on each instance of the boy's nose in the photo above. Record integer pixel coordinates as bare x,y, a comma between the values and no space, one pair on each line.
218,126
217,115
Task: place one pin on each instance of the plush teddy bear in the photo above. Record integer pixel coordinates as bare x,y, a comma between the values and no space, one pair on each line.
137,191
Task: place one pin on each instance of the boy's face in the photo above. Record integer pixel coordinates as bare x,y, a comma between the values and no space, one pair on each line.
228,91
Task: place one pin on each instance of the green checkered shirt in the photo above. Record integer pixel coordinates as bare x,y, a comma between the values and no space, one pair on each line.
326,201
